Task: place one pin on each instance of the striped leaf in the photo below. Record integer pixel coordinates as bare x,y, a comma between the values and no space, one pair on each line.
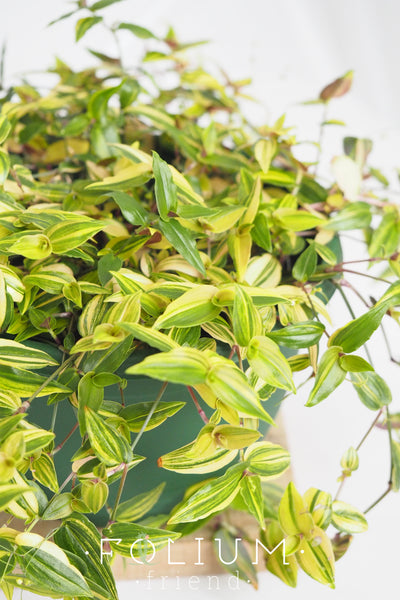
210,498
67,235
80,537
136,414
35,438
136,507
347,518
25,383
43,471
372,390
126,310
234,438
108,445
230,385
267,459
180,365
194,307
328,377
315,557
246,319
319,504
14,354
128,533
280,565
183,460
294,517
150,336
10,492
268,362
251,492
237,559
8,424
165,189
47,565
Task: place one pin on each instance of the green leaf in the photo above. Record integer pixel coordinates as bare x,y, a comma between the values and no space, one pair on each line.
298,335
136,414
137,30
165,188
264,151
395,455
136,507
102,4
47,565
267,459
128,533
14,354
43,471
319,504
297,220
108,445
210,498
237,560
246,319
230,385
305,265
35,438
372,390
194,307
83,25
268,362
282,566
354,363
315,557
80,537
25,383
150,336
251,492
294,517
180,365
348,519
5,128
355,215
59,507
328,377
66,236
132,210
183,242
4,166
183,460
10,492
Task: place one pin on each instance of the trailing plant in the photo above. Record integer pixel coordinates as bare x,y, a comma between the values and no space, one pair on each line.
142,212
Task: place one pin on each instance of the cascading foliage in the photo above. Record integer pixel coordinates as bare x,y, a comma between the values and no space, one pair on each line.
136,214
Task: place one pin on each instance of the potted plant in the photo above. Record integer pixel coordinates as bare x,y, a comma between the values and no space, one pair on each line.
164,272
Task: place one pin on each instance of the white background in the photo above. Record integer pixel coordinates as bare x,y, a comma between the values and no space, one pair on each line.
291,49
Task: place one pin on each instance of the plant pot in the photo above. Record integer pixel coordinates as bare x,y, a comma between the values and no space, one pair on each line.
175,432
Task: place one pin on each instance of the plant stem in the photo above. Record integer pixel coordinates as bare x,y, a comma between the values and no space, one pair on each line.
25,405
381,497
119,493
358,273
151,412
197,405
370,428
61,444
